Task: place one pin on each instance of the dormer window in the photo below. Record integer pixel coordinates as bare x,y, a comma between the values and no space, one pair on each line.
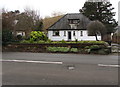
73,21
73,26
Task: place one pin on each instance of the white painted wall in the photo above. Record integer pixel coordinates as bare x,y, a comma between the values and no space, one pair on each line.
20,33
77,36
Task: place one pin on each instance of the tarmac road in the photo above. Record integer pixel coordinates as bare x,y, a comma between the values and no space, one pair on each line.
59,69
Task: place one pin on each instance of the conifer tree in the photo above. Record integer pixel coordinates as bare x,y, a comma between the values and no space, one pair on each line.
102,11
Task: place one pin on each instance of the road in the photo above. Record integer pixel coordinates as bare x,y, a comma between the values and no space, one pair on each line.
59,69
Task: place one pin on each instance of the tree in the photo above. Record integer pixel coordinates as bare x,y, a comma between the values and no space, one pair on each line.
101,11
24,23
37,21
96,28
38,26
8,19
6,36
28,21
8,25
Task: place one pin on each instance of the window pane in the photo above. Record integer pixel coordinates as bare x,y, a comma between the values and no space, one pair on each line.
73,21
73,26
81,33
73,33
55,33
64,33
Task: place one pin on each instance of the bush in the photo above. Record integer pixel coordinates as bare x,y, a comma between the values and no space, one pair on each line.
87,50
58,49
104,51
94,47
74,50
25,41
19,37
7,37
48,41
87,47
30,41
82,50
93,42
63,41
34,38
37,35
40,41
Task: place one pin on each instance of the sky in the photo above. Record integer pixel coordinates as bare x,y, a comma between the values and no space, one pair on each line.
47,7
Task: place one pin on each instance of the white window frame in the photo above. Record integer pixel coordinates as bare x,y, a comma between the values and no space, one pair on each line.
64,33
81,33
74,34
54,33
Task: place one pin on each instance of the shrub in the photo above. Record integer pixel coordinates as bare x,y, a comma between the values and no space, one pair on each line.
58,49
74,50
7,37
37,35
94,47
104,51
63,41
48,41
25,41
19,37
63,49
93,42
87,47
87,50
82,50
40,41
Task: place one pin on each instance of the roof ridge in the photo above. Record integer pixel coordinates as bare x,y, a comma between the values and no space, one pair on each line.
57,21
74,13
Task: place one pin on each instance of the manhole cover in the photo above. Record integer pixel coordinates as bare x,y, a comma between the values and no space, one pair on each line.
71,67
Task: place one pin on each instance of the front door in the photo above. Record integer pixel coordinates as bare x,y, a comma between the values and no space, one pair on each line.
69,35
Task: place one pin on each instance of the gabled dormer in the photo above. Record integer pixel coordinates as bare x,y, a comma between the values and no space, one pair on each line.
73,23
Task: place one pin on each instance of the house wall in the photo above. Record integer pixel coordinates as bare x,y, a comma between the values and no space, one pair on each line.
20,33
73,38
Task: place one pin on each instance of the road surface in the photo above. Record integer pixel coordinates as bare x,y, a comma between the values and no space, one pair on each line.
59,69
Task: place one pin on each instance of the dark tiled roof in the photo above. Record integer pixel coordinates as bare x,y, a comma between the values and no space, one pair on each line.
63,23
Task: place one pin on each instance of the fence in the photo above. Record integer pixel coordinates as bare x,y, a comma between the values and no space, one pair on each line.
116,39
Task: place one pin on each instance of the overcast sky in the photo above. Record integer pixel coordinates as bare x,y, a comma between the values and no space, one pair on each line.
47,7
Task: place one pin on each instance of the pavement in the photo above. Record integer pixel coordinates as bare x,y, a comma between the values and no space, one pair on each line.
59,69
115,48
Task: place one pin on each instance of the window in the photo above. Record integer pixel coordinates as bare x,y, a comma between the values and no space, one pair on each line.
56,33
20,33
81,33
73,33
15,22
73,21
64,33
73,26
98,33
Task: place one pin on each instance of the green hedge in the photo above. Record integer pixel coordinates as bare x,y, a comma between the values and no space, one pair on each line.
58,49
49,41
93,49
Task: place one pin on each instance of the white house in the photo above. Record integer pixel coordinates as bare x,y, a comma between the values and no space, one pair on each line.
70,27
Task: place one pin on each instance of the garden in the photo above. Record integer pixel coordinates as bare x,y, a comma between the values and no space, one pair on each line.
38,42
